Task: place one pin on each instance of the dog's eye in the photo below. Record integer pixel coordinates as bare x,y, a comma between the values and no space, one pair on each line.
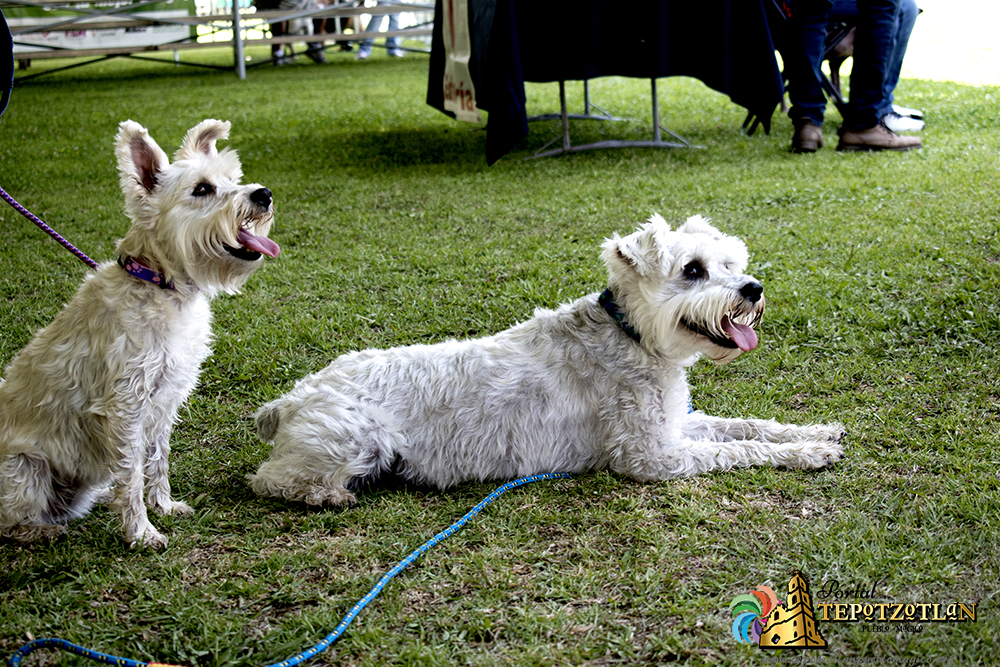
694,271
203,189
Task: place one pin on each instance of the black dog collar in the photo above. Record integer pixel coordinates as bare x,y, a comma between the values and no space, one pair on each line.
607,301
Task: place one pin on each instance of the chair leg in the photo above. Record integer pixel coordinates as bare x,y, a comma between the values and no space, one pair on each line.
833,92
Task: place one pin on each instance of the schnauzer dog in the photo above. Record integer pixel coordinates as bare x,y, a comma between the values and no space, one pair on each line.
87,408
598,383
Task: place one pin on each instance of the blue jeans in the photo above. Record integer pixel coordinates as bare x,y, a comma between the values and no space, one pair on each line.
807,28
908,11
847,10
876,60
375,23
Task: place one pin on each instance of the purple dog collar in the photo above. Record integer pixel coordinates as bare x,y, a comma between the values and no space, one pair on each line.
134,268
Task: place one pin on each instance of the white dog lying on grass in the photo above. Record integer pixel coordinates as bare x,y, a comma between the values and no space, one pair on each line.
598,383
87,408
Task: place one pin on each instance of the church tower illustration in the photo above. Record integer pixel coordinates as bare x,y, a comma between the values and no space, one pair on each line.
793,624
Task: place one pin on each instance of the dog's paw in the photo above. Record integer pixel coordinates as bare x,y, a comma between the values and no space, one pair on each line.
33,533
814,455
836,432
323,495
150,537
814,433
174,508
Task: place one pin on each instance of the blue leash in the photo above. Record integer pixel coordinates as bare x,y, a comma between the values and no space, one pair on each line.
328,641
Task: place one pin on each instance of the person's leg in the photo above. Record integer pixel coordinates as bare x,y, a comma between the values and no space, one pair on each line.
863,129
872,51
392,43
314,50
803,58
374,25
844,10
807,29
346,23
278,50
908,11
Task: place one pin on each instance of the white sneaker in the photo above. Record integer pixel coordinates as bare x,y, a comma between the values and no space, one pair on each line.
395,53
898,123
912,113
279,58
362,55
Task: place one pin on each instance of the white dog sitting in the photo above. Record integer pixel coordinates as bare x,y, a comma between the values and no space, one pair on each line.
87,408
600,382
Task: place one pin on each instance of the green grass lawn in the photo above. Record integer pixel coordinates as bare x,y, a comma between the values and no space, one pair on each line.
882,274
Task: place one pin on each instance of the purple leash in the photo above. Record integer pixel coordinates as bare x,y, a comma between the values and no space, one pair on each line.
48,230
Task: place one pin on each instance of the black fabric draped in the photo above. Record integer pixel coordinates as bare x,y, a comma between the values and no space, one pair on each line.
724,43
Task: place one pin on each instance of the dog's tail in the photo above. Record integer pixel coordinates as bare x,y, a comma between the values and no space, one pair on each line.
268,418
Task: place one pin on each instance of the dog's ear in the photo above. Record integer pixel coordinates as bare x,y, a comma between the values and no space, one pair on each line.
200,139
699,225
140,160
642,251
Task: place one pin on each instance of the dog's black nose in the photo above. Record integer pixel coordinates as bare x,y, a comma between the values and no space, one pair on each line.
261,197
752,291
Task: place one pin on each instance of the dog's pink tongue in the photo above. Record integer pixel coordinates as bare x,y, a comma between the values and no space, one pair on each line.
744,337
260,244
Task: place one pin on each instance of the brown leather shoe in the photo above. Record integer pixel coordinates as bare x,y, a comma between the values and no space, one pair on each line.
878,138
808,138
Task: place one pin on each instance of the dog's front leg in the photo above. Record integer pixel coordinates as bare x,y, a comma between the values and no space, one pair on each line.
126,435
700,426
687,457
704,444
743,442
128,502
157,468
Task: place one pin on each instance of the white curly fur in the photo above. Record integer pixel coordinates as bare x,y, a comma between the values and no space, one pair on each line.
566,391
87,408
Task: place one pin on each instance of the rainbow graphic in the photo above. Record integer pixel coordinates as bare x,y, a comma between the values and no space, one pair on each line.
751,611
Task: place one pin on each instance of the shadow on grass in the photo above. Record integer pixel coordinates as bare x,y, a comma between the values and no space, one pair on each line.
462,149
454,147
